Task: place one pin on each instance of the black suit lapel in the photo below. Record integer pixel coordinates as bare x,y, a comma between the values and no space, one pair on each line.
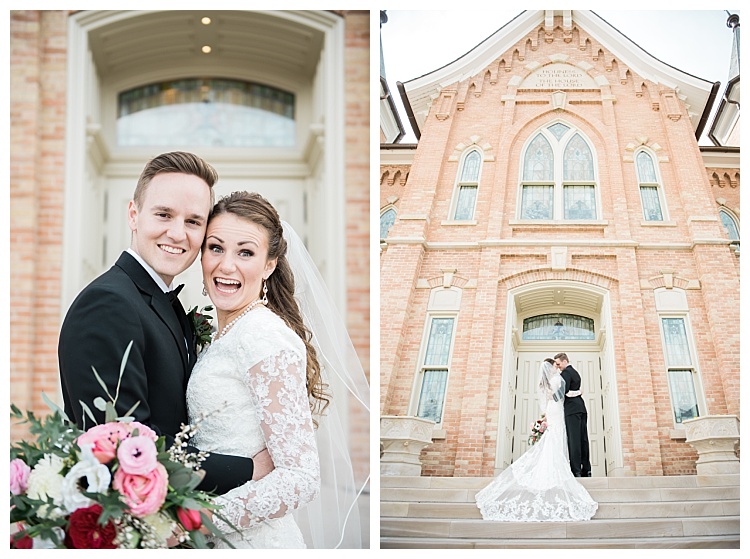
158,301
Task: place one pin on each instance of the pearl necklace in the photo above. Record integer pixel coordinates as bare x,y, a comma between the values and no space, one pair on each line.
226,328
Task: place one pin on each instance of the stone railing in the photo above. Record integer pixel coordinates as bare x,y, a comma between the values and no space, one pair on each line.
715,438
402,438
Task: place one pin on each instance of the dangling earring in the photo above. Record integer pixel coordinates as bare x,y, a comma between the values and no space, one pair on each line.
205,293
265,292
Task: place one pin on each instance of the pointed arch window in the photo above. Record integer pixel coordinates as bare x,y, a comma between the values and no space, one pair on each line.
558,180
467,186
650,186
730,225
387,219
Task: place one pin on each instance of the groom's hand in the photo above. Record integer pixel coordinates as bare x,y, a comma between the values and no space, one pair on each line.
262,465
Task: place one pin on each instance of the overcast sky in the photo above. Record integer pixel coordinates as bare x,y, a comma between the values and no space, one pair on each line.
417,42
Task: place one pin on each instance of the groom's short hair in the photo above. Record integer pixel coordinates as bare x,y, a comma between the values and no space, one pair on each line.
175,162
562,357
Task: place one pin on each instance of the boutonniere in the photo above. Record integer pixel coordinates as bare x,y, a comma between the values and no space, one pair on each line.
201,324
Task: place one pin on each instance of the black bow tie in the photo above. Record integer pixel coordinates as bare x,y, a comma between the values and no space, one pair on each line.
174,293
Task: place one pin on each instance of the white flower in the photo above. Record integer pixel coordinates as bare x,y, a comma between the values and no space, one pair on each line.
163,525
45,479
97,477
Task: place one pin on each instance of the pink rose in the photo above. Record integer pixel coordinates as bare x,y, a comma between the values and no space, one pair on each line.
19,476
143,430
144,494
137,455
105,439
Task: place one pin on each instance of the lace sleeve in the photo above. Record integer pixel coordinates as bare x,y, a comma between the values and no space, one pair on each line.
278,385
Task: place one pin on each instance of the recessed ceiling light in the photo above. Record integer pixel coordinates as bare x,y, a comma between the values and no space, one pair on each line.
206,20
206,49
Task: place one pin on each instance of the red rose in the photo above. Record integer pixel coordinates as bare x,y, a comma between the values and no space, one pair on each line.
190,518
84,531
23,542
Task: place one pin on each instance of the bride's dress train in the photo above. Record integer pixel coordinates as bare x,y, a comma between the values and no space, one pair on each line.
539,486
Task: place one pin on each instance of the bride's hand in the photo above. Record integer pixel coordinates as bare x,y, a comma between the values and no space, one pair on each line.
262,465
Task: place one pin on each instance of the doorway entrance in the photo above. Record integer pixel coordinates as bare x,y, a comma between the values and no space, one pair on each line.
528,410
544,319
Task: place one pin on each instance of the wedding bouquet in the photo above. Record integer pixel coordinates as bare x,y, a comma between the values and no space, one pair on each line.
537,429
114,485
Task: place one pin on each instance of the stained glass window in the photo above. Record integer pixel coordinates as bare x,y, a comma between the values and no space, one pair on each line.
579,202
730,225
539,161
682,389
467,196
439,342
386,222
578,162
558,327
675,339
432,395
651,203
645,166
206,112
561,159
537,202
468,186
471,167
558,130
434,376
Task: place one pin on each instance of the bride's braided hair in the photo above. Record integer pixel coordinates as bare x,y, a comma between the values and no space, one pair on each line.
253,207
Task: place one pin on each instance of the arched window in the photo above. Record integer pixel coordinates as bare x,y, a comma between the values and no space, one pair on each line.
558,327
650,186
206,112
558,178
387,219
467,186
729,223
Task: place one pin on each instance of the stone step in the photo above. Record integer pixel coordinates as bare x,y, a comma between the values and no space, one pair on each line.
606,510
474,531
632,482
600,495
706,542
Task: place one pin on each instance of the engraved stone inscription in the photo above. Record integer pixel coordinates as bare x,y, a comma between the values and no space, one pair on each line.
559,76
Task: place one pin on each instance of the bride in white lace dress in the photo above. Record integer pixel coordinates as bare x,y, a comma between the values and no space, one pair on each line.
539,486
259,381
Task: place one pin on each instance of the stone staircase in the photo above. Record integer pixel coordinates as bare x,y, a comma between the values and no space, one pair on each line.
634,512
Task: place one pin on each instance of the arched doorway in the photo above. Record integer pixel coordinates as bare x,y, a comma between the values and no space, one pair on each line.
260,61
546,318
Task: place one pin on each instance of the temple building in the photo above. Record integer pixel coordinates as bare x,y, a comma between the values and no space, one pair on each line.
557,200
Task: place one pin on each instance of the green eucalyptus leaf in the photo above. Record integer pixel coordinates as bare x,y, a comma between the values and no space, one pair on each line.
110,414
100,403
131,410
101,382
54,407
87,411
122,368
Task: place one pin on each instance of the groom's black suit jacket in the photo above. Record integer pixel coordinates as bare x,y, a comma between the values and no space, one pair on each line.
121,305
572,382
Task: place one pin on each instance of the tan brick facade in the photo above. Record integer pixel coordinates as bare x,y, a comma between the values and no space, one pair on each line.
619,252
37,178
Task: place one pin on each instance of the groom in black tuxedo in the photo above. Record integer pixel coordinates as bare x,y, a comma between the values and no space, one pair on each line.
576,417
133,301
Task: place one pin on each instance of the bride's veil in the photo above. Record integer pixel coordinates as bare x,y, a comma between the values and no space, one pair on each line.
331,520
544,386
